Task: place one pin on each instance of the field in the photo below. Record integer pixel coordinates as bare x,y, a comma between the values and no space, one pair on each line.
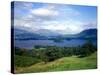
62,64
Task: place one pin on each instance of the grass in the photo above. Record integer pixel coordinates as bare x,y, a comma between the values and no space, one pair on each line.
62,64
24,61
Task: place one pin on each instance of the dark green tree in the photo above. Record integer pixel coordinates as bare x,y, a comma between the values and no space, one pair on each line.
87,49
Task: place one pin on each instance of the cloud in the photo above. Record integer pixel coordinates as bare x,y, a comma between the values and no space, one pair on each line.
60,19
45,12
90,25
69,11
54,27
51,12
23,5
63,27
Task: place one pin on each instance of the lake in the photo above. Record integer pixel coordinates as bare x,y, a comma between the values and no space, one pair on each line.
29,44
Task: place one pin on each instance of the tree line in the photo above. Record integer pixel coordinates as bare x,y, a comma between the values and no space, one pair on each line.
51,53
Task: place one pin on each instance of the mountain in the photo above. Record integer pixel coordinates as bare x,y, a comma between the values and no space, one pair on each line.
21,34
90,33
47,33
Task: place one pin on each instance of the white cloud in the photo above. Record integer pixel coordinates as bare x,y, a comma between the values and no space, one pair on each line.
50,17
45,12
90,25
54,27
56,11
63,27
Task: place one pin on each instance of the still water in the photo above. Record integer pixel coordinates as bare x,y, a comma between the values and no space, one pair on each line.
29,44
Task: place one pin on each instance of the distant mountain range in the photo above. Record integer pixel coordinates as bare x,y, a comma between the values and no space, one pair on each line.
20,34
89,33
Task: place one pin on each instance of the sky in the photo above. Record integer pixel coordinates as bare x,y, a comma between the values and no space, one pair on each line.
58,18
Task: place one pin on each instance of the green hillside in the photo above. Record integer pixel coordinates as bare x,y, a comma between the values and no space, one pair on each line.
62,64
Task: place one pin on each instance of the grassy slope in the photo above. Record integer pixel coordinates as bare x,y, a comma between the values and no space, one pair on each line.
62,64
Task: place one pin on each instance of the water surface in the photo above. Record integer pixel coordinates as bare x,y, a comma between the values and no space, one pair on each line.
29,44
